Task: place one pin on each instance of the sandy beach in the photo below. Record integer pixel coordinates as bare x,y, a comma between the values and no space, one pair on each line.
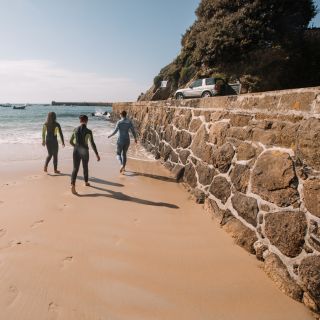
129,247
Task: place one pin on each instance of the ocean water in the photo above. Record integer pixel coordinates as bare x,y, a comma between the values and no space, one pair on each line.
21,131
25,126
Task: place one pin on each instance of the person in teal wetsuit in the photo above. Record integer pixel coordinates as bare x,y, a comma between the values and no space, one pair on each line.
123,127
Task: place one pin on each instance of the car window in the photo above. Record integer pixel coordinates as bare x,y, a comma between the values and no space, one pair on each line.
210,82
197,83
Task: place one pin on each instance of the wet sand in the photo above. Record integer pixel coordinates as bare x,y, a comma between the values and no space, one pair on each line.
130,247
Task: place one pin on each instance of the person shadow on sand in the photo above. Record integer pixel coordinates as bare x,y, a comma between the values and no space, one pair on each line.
123,197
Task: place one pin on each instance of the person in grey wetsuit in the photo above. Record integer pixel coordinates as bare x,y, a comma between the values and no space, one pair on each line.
124,126
80,141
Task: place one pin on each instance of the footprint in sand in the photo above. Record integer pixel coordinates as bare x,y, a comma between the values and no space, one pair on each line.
2,232
63,207
37,223
136,221
33,177
17,243
53,311
9,296
118,240
66,261
1,202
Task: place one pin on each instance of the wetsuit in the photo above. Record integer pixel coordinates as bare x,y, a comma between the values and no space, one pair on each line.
50,139
80,141
123,126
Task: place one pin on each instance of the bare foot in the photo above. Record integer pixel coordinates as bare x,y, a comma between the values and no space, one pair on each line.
122,170
88,184
73,190
45,169
57,171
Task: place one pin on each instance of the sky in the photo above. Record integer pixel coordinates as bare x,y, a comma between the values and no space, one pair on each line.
88,50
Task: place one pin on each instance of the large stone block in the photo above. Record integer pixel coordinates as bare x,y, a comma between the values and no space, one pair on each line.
238,133
222,157
246,151
274,178
221,189
205,173
200,148
218,132
240,176
309,275
181,139
182,119
195,125
246,207
288,135
184,155
165,152
239,120
243,236
190,175
223,216
267,137
286,230
308,144
311,192
168,134
278,272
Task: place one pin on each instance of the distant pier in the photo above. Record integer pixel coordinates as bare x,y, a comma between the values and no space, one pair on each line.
89,104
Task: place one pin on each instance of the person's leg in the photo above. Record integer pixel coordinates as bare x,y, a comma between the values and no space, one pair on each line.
85,164
119,153
55,157
49,157
76,165
124,155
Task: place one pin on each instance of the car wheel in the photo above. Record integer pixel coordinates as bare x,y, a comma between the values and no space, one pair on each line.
179,96
206,94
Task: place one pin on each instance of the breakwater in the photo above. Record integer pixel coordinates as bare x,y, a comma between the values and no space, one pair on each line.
254,162
82,104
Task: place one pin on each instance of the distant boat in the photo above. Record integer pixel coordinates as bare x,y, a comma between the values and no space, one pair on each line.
19,107
102,115
6,105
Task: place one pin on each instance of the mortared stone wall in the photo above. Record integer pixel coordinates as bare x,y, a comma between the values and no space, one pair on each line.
254,161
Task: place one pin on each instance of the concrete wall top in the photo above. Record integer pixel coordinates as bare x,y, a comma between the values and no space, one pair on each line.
304,102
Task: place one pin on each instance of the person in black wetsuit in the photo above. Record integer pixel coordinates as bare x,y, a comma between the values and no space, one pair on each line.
80,141
123,126
50,132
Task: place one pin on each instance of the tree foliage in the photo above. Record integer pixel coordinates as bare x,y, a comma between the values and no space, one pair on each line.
261,42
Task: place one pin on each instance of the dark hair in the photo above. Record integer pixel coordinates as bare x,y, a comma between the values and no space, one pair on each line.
51,121
83,118
123,114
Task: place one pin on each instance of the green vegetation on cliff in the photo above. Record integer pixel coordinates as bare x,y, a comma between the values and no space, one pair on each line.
265,44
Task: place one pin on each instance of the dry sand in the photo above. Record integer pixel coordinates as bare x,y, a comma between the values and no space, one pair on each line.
131,247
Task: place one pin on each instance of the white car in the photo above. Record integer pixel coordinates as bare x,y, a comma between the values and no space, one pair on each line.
208,87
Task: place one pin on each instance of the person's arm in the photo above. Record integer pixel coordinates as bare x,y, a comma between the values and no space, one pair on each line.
72,139
115,131
44,131
61,134
94,147
133,131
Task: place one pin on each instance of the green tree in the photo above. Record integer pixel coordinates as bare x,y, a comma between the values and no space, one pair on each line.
260,42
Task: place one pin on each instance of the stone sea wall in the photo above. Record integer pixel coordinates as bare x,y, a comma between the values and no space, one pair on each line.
254,161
